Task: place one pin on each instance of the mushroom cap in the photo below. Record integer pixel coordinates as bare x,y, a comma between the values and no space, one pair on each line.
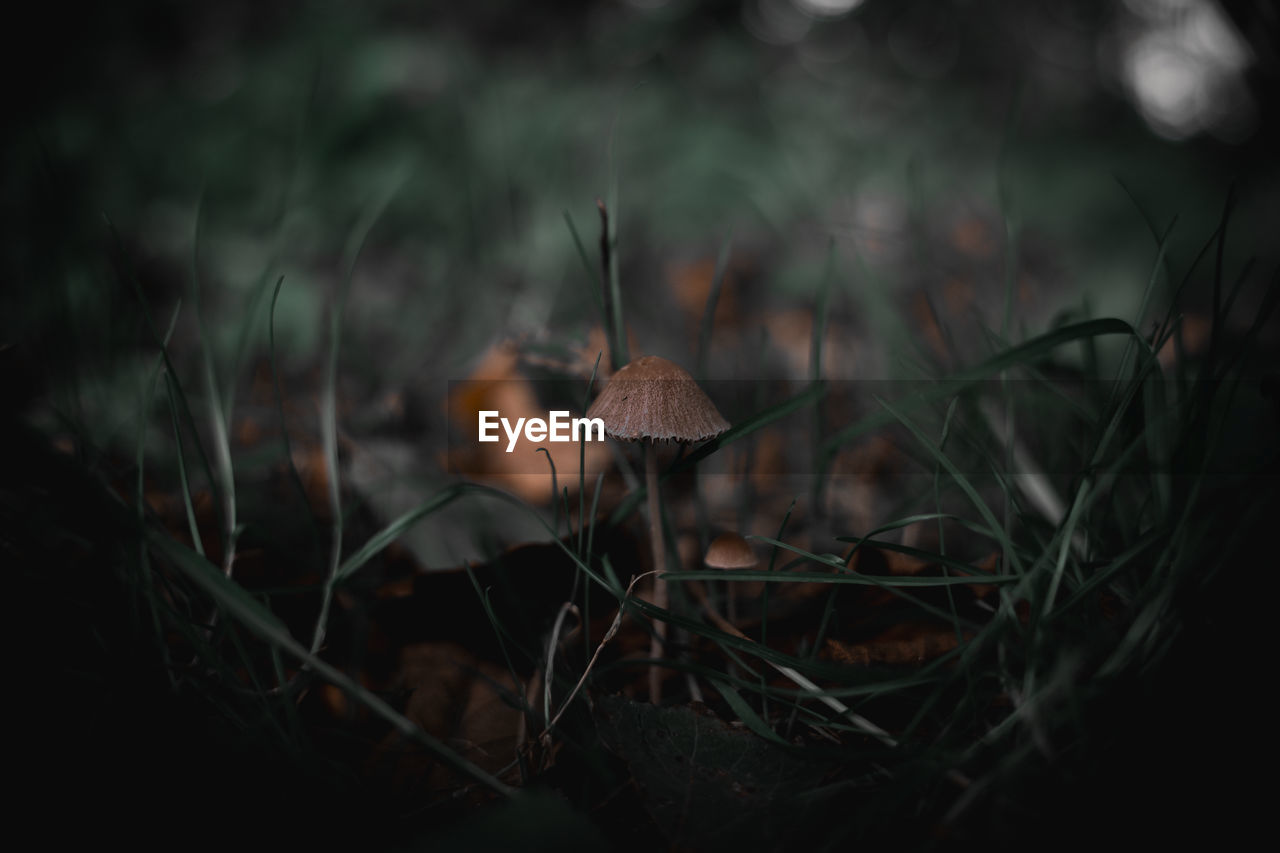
655,399
730,551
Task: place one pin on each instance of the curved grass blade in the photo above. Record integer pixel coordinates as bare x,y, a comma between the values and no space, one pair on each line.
329,402
393,531
713,299
1029,351
845,577
994,528
217,412
235,601
183,481
294,476
586,264
747,714
161,342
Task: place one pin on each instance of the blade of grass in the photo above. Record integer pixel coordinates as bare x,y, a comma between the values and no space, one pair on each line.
192,525
845,578
149,391
549,668
329,402
582,469
217,414
764,599
994,528
555,493
592,278
713,299
943,560
814,691
294,476
1027,352
586,557
746,713
900,523
236,602
609,250
160,341
393,531
609,634
499,633
1088,481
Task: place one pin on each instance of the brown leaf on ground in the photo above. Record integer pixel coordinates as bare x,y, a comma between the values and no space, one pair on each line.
908,643
470,705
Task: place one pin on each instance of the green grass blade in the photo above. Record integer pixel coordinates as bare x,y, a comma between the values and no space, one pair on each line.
329,403
592,279
278,394
184,483
393,531
1023,353
161,342
746,713
709,312
619,352
844,577
994,529
764,598
236,602
217,413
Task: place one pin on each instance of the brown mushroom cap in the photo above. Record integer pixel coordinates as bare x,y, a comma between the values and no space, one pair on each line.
730,551
655,399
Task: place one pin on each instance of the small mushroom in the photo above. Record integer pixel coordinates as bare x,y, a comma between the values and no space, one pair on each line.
649,400
730,551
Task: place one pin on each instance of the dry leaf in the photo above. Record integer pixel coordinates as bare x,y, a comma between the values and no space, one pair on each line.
908,643
466,703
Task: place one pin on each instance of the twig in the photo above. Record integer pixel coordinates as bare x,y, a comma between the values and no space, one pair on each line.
613,629
552,643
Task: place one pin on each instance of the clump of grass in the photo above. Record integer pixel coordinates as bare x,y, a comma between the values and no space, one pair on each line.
1099,553
1100,540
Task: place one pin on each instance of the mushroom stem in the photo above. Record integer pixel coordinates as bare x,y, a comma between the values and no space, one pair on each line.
659,566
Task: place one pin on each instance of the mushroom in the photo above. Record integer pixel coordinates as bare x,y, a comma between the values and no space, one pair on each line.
730,551
649,400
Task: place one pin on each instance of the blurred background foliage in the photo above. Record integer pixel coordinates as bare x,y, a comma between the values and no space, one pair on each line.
470,130
944,150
